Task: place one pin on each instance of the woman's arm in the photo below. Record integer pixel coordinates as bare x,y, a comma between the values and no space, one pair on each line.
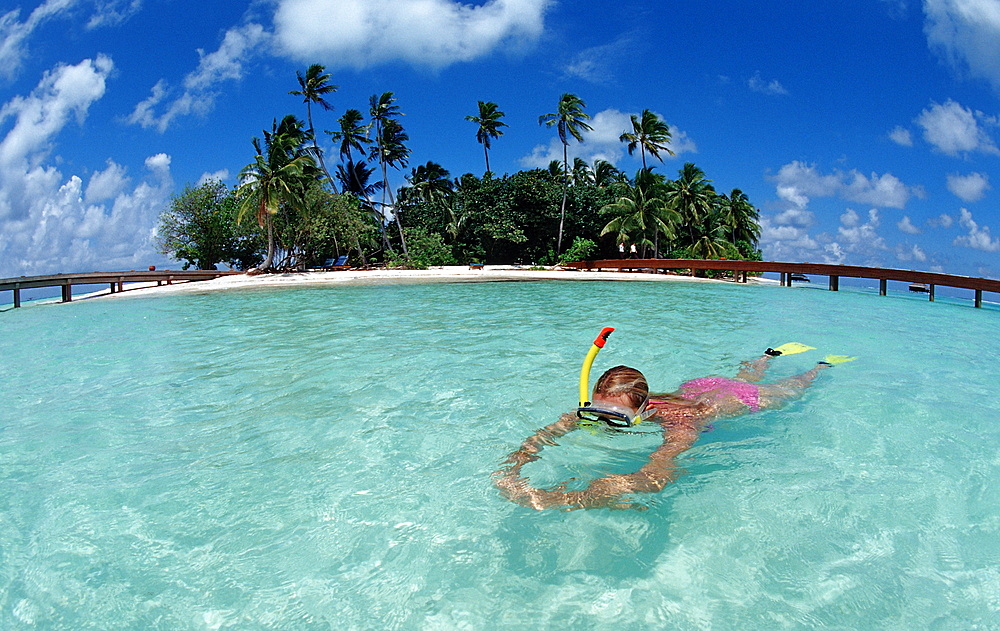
604,492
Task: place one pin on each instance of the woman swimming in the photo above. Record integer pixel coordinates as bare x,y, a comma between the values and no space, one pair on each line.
621,397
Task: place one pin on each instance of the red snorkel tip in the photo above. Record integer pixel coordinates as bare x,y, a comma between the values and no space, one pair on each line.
602,338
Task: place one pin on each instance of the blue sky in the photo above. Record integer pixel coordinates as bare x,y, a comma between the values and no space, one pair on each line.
866,132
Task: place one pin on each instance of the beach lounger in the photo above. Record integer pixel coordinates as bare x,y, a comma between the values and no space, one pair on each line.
339,263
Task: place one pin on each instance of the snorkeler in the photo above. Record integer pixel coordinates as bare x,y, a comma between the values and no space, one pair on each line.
621,398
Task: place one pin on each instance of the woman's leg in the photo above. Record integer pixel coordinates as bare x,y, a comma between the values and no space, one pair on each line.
775,394
753,371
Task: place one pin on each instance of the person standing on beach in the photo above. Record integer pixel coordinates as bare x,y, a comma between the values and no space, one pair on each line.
621,397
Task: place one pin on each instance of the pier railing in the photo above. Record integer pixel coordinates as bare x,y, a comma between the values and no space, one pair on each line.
116,280
740,270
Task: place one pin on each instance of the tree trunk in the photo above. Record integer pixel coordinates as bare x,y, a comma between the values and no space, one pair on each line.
562,213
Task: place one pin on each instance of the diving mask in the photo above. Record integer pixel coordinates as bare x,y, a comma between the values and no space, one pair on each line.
615,415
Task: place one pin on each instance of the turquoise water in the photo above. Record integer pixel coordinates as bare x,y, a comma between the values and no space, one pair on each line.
311,459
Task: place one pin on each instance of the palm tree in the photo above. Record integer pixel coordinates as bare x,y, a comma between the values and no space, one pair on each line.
382,108
741,218
650,134
352,134
691,195
278,175
431,183
569,120
390,150
606,174
709,237
315,85
489,126
582,173
355,178
641,212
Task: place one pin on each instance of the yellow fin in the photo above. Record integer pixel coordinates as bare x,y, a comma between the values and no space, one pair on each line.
838,359
793,348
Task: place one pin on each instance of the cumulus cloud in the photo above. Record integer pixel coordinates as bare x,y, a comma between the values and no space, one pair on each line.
218,176
969,188
51,223
901,136
797,182
966,33
787,242
64,93
200,87
978,237
602,143
433,33
860,237
954,130
106,184
906,226
772,87
941,221
907,252
595,64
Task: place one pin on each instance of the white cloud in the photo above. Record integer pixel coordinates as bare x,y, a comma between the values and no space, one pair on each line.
63,93
772,87
969,188
901,136
106,184
797,217
219,176
967,34
909,252
602,143
239,45
978,238
860,237
113,12
797,182
595,64
434,33
51,223
954,130
941,221
906,226
14,34
786,242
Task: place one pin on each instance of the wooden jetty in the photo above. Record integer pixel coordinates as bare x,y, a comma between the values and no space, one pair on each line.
789,270
116,280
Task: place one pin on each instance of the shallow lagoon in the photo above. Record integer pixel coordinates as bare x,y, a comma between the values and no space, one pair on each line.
321,458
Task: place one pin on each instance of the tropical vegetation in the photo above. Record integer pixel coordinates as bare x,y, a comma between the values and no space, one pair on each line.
291,211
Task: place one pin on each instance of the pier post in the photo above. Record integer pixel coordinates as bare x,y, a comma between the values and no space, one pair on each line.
882,286
931,292
17,296
782,279
834,283
67,293
979,298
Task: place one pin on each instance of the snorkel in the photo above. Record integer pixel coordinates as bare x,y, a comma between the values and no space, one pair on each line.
588,361
613,415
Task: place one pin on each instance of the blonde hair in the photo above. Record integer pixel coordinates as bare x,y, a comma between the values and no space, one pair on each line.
625,382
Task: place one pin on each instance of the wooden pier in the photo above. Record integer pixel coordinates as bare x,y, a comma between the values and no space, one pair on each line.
116,280
740,270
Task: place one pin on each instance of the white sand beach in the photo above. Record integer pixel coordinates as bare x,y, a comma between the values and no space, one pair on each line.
456,273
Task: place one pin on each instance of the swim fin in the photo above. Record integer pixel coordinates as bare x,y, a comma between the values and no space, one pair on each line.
833,360
791,348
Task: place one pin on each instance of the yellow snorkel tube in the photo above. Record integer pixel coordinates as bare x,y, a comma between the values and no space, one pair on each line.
588,361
